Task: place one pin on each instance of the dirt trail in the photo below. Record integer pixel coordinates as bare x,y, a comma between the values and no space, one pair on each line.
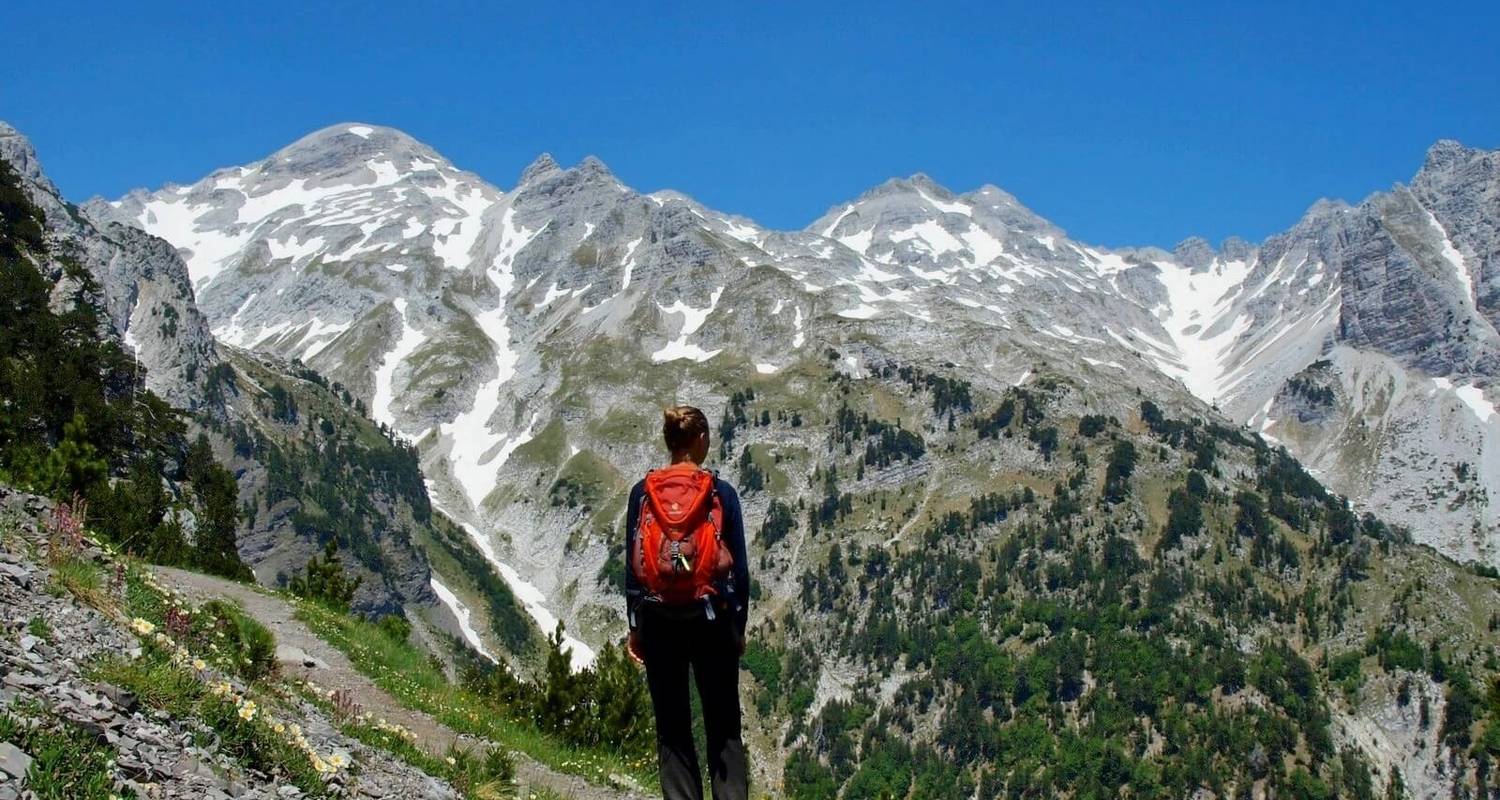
296,642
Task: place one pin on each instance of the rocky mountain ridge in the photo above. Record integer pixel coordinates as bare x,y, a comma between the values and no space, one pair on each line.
439,298
308,465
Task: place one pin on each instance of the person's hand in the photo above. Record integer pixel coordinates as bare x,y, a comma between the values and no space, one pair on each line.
633,647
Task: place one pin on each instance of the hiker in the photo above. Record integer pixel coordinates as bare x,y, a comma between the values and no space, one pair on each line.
687,583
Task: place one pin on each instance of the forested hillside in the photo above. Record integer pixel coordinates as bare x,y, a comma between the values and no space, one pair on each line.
1081,596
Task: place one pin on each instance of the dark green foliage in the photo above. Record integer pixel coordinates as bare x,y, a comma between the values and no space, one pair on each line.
1092,425
76,413
20,220
1117,474
218,495
1184,518
508,620
1045,440
1345,672
604,706
997,659
764,664
834,505
997,422
1396,651
1197,485
778,523
283,405
752,477
233,631
1250,516
395,626
68,762
569,492
1461,710
734,419
949,395
345,487
1309,390
323,580
885,443
990,508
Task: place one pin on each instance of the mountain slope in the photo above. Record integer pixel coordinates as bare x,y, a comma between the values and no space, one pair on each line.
439,300
304,465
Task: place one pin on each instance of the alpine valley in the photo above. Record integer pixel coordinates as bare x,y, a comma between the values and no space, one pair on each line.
1029,517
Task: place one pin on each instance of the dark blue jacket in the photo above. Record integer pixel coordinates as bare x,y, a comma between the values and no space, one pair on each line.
734,539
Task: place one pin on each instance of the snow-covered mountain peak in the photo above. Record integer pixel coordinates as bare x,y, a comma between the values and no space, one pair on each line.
323,237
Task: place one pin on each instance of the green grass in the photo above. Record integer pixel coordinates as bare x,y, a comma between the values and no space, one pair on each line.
38,627
84,580
67,763
227,640
409,675
476,775
539,793
218,631
252,743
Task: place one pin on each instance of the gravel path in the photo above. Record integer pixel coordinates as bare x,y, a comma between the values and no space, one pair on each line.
298,647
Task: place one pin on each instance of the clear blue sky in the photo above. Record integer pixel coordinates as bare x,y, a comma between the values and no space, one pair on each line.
1125,123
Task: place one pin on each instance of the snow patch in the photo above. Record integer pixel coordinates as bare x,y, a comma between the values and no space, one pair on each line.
946,207
1454,258
318,335
461,612
741,231
532,599
293,248
931,236
362,131
858,242
1197,303
1474,398
828,231
552,294
862,311
477,451
692,320
456,244
629,262
406,344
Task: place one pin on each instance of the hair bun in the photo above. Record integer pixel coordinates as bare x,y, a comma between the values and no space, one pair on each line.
681,426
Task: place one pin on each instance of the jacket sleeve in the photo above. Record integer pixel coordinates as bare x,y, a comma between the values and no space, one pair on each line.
633,592
734,536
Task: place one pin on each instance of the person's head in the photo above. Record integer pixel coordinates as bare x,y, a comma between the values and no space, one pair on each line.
685,430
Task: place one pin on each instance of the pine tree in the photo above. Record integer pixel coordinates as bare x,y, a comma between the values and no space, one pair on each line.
324,580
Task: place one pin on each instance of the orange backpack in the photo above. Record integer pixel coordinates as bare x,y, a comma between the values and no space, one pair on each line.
679,554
